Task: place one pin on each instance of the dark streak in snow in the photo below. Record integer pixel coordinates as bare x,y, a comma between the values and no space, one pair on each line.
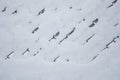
67,35
113,41
4,9
116,24
27,50
15,12
54,36
94,22
35,30
41,12
36,53
56,58
89,38
112,4
8,56
95,57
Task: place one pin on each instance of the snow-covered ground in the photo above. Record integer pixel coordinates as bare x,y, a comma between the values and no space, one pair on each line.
59,39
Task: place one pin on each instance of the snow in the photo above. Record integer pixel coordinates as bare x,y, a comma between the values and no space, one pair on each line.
86,47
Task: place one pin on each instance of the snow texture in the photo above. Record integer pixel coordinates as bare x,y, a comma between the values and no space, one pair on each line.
59,39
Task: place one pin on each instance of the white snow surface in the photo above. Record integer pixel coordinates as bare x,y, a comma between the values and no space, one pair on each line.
59,39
